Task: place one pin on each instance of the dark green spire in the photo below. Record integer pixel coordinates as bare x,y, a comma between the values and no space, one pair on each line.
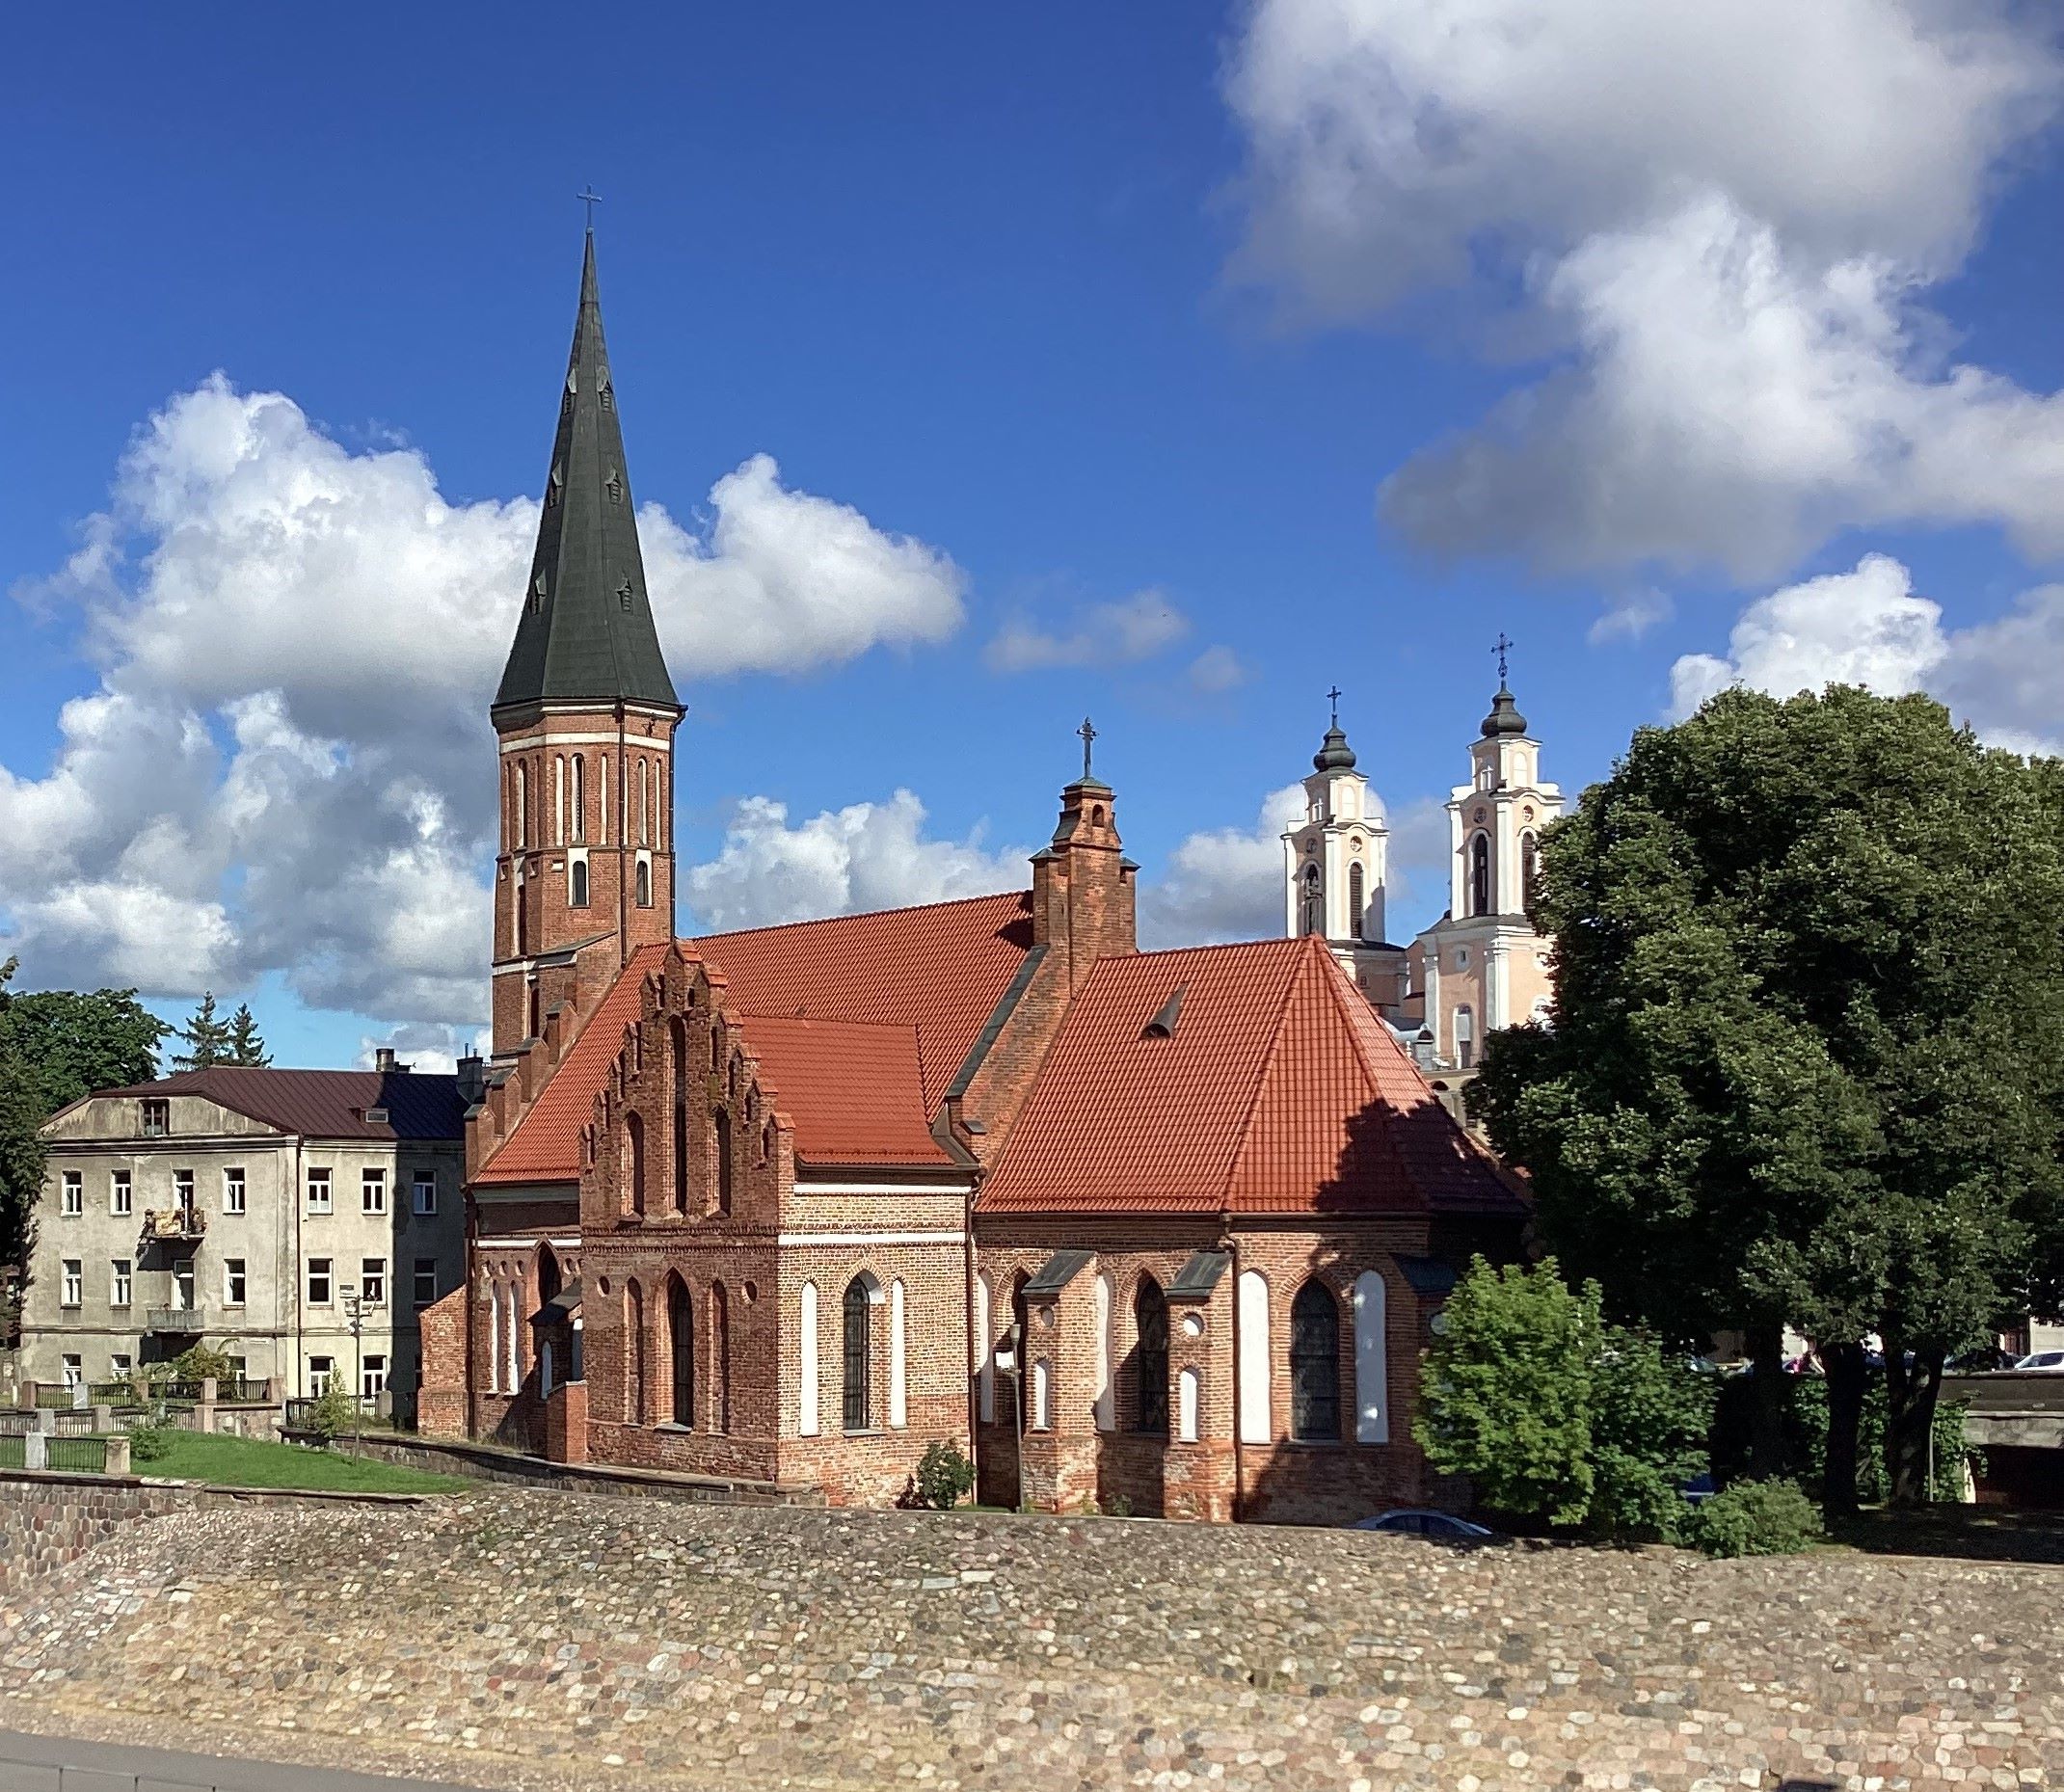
585,631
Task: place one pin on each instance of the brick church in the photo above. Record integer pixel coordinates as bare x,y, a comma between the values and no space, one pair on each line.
786,1205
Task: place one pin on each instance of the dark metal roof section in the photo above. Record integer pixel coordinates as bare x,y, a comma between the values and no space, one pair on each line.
585,632
1503,717
1056,1273
560,1308
325,1104
1163,1024
1334,753
1197,1277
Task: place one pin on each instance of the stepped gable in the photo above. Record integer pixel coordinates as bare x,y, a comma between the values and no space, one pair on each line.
1238,1078
859,1021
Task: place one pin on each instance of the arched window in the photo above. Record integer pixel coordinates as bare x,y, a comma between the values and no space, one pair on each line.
723,1160
634,1161
1480,874
580,798
1150,1359
984,1350
680,1336
1106,1411
1355,899
1039,1418
1188,1396
677,1053
858,1335
644,882
898,1395
1314,902
1529,868
633,1353
721,1352
1315,1364
1254,1365
495,1385
644,808
558,799
577,876
1020,1340
522,810
602,806
1372,1370
1465,1038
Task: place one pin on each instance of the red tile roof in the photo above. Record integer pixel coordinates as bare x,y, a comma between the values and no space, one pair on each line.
852,1091
930,977
546,1144
1279,1091
324,1104
940,968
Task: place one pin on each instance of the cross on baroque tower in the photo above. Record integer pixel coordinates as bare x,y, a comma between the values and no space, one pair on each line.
1088,734
1334,697
1501,646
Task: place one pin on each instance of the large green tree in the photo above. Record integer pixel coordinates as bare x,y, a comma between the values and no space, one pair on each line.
56,1045
1806,1042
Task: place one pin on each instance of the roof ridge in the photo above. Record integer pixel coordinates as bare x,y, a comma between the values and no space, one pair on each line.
858,913
1245,1131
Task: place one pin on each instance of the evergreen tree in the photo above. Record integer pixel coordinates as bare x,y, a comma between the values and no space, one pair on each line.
207,1039
1807,1044
243,1044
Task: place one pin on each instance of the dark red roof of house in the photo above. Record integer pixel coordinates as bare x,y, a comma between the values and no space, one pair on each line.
324,1104
1274,1089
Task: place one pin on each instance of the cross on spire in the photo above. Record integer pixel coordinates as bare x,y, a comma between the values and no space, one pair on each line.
591,199
1334,697
1501,646
1088,734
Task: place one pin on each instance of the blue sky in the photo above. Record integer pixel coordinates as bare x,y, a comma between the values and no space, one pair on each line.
1084,306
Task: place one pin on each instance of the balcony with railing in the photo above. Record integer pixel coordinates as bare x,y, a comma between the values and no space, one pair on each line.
173,1225
186,1321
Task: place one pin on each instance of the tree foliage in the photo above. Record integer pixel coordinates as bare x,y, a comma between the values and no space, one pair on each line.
1807,1038
1554,1414
206,1038
241,1043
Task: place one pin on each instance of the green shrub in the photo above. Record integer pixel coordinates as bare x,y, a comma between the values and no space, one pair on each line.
205,1362
1556,1416
148,1443
945,1477
1756,1518
334,1411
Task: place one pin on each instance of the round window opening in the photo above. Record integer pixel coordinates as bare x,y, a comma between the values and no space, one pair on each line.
751,1292
1192,1326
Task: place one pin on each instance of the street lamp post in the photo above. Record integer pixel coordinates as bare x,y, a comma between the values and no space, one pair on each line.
355,1310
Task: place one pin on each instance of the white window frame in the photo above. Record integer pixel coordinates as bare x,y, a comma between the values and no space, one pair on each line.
121,1365
372,1192
122,1193
75,1369
71,1283
71,1193
122,1281
322,1370
329,1276
372,1281
236,1271
372,1377
319,1183
423,1180
182,1188
234,1180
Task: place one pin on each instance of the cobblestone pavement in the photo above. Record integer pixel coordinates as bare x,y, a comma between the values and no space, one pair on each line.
541,1640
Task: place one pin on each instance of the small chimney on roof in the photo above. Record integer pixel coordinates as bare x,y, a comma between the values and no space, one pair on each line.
473,1080
384,1062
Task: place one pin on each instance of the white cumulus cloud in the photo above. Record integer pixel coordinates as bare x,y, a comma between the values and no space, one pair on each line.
1102,634
1869,627
287,766
1720,222
842,861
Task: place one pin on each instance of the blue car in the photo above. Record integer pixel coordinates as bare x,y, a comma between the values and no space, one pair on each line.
1423,1521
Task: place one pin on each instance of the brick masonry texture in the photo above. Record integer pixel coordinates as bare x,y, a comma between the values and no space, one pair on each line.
531,1640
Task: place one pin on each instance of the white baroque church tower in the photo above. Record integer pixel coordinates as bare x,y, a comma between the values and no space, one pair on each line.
1481,966
1336,864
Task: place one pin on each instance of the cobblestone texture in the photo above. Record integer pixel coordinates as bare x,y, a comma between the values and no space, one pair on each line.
564,1641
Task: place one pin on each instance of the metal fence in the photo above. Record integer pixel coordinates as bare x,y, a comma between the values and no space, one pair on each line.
14,1451
59,1396
77,1456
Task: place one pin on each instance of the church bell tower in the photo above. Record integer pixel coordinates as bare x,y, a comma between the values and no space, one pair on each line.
584,718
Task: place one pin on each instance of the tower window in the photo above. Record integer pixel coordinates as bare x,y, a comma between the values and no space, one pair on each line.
1314,902
1529,867
1480,874
1356,897
576,876
644,884
580,798
1464,1039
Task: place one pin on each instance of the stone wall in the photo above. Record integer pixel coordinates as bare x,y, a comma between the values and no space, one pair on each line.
46,1519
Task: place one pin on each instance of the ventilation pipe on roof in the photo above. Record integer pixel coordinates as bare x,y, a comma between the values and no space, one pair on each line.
1163,1024
384,1062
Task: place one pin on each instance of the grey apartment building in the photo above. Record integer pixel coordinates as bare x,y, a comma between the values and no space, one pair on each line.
247,1208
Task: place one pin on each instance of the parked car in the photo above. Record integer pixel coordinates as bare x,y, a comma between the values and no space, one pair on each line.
1423,1521
1698,1489
1986,1359
2041,1362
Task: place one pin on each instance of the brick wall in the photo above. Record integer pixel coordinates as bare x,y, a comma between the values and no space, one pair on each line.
442,1404
45,1520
